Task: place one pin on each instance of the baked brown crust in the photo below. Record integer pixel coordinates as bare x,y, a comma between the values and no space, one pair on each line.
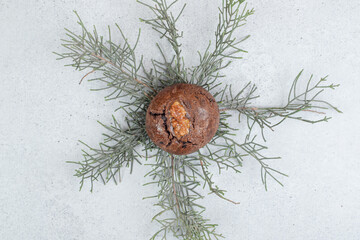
201,109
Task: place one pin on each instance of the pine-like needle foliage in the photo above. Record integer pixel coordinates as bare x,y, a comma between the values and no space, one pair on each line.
179,178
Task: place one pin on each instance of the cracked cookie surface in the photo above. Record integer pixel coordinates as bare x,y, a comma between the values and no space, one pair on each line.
182,118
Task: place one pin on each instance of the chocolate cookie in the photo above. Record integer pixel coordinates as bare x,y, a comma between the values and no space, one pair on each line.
182,118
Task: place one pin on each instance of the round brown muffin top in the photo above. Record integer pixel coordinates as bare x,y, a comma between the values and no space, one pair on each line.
182,118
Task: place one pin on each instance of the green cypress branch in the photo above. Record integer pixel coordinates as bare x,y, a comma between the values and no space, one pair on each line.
180,213
232,16
165,24
214,189
116,152
299,100
117,62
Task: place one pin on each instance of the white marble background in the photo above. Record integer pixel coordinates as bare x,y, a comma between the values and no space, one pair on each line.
43,112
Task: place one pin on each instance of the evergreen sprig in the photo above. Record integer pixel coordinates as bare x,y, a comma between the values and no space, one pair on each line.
232,16
299,100
165,24
117,151
180,178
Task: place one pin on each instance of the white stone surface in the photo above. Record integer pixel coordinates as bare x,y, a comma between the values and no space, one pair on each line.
44,112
